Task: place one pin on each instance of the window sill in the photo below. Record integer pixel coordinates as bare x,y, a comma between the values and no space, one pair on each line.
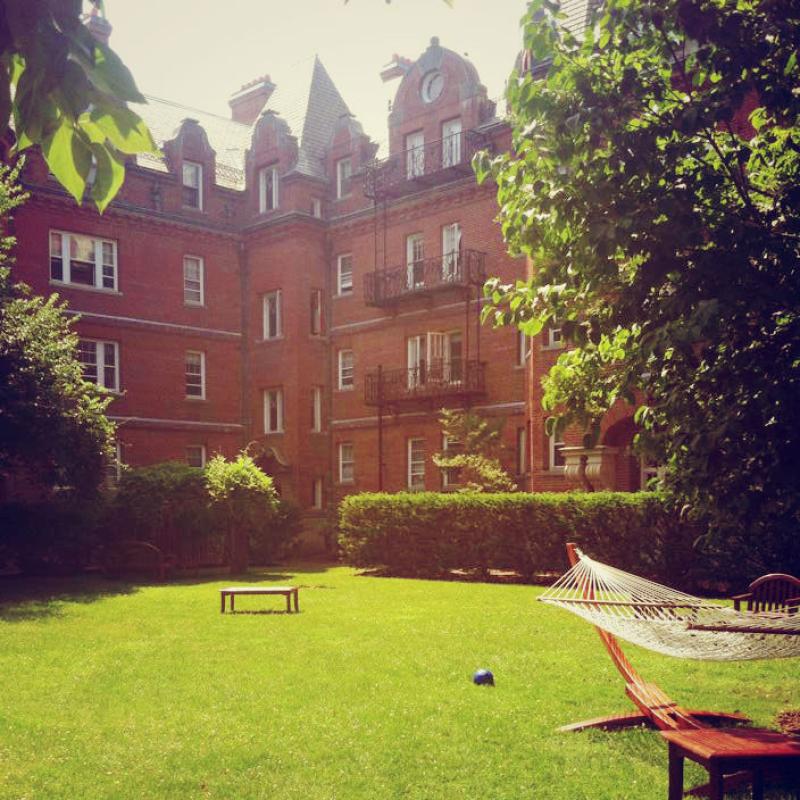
274,433
554,471
193,305
550,347
193,209
270,340
345,388
83,288
340,295
196,399
347,483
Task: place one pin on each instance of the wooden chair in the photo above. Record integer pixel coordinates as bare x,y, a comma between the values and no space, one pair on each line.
776,592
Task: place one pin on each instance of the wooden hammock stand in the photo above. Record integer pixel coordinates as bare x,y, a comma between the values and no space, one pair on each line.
656,708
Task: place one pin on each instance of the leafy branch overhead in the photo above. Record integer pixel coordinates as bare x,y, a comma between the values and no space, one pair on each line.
654,187
68,93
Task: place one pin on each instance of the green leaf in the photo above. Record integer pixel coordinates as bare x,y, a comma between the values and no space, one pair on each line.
59,150
109,178
124,129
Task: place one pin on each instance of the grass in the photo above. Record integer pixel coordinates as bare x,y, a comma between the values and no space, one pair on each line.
116,691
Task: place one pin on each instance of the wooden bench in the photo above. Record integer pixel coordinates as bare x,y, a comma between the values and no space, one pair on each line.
288,592
776,592
727,752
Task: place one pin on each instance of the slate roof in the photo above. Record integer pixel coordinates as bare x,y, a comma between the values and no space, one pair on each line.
306,98
227,138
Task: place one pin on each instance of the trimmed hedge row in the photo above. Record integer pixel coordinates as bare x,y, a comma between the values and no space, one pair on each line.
428,533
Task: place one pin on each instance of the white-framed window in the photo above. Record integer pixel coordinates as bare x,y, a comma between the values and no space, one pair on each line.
193,281
196,455
522,450
523,348
451,250
416,464
415,260
344,169
451,143
83,260
195,375
435,357
555,456
100,362
316,409
316,312
192,179
268,189
273,315
316,493
415,154
554,338
346,370
344,274
316,207
273,411
451,446
346,462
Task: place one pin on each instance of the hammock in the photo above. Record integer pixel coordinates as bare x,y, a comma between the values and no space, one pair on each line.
668,621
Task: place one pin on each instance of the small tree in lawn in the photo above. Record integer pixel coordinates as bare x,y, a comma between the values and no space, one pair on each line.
479,445
246,500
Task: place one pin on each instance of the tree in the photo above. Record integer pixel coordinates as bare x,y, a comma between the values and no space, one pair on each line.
68,93
247,502
477,443
655,187
52,421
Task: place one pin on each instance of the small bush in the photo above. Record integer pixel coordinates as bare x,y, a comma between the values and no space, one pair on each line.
245,502
429,533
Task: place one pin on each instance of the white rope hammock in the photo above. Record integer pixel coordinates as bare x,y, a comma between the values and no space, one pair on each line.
668,621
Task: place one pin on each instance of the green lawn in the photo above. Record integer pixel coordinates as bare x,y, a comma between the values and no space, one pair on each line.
115,691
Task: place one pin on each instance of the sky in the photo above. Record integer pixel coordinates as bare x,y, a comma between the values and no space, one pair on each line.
198,53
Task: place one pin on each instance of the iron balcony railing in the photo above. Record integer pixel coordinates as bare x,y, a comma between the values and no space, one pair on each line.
459,268
430,163
442,379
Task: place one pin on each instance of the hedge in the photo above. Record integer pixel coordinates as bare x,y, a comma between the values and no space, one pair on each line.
428,533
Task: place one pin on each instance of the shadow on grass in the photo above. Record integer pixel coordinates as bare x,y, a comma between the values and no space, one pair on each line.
466,576
24,598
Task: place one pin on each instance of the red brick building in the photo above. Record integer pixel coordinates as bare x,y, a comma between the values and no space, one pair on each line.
273,281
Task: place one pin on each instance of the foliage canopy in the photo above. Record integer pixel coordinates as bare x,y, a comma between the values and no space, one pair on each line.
655,187
68,93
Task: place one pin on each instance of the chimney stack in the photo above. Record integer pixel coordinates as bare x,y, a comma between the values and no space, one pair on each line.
98,26
248,102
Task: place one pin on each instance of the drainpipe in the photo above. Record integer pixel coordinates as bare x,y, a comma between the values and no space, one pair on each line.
244,283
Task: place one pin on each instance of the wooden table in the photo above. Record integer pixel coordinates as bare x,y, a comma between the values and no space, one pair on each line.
288,592
723,752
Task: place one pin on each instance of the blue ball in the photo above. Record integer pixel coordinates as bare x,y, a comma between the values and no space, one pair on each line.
483,677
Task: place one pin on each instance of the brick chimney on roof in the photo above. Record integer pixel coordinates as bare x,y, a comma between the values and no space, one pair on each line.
247,103
98,26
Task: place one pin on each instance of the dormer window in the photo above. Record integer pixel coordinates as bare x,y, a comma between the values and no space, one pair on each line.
344,168
192,185
432,85
268,188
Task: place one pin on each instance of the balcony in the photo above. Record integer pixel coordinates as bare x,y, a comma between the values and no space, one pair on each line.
420,167
457,379
458,269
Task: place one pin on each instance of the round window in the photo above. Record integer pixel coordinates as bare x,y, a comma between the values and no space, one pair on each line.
432,85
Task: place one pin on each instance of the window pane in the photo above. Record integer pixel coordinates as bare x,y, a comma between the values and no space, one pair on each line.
87,356
110,366
194,374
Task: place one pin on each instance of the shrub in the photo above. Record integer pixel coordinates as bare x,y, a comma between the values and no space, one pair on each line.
167,505
275,535
429,533
245,501
53,536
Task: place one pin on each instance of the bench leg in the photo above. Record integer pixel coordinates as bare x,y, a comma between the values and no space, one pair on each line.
222,603
758,784
233,602
288,602
675,773
716,784
296,601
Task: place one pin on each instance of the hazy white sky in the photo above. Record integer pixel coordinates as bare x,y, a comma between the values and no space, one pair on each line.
198,52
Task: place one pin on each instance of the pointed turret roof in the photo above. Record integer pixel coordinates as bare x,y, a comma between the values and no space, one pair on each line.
310,103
